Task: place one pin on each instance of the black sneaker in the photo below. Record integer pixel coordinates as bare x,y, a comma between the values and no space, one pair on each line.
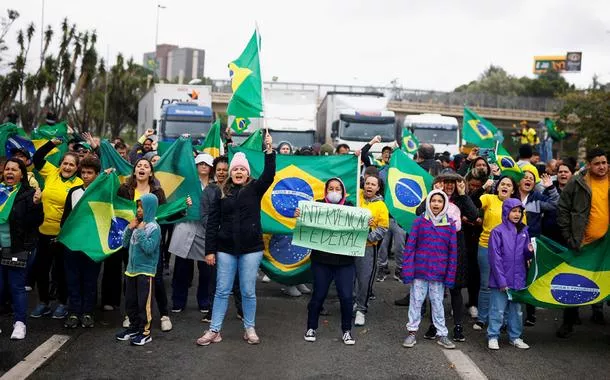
431,333
381,276
140,339
398,274
564,331
72,322
127,334
88,321
458,333
310,335
207,317
403,301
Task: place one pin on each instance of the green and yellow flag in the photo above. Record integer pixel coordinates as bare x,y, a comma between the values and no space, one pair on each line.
509,167
254,141
110,158
478,131
407,186
213,143
410,143
554,132
240,124
7,198
246,82
178,177
44,133
560,277
101,216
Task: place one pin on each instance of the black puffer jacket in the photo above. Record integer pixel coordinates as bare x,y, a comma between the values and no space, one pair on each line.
234,222
24,220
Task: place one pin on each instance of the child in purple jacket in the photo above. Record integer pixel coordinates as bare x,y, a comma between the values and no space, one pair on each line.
509,250
430,262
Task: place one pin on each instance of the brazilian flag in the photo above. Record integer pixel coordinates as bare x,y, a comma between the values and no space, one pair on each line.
554,132
178,177
296,178
407,186
478,131
246,82
43,133
410,143
240,124
254,141
12,136
96,225
560,277
509,167
213,143
110,158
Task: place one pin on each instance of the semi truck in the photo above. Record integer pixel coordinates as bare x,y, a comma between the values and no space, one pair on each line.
440,131
190,111
290,115
354,119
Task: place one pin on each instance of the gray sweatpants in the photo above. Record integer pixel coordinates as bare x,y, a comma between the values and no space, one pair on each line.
397,236
365,277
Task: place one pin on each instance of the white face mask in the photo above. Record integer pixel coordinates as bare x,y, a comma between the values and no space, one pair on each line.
334,196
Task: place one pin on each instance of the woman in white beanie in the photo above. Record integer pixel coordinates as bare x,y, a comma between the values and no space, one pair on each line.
234,240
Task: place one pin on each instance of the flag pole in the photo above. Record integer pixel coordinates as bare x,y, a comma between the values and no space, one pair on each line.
260,70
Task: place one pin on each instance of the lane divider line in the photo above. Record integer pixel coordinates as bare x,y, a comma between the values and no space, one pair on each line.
36,358
464,366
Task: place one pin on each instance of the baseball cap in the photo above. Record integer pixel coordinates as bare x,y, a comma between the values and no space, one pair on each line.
21,150
205,158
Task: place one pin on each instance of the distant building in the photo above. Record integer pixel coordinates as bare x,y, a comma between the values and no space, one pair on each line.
174,62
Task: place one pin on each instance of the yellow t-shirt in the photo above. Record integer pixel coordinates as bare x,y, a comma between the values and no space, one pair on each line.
54,198
379,212
136,194
599,216
529,136
492,216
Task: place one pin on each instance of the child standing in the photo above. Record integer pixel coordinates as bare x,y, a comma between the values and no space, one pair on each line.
509,250
142,237
430,262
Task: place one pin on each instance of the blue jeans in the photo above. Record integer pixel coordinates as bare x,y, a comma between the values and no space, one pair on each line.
397,236
323,276
81,278
247,267
16,283
484,294
497,314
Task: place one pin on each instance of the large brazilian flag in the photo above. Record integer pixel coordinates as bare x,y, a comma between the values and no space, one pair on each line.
296,178
407,186
560,277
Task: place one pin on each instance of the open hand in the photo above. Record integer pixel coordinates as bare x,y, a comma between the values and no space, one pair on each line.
547,181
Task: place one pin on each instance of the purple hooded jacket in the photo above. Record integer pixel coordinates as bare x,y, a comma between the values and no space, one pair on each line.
508,251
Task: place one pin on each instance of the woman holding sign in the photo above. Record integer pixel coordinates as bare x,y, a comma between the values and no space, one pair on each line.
234,240
326,267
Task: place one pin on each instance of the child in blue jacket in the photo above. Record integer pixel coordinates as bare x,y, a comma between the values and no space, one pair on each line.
142,237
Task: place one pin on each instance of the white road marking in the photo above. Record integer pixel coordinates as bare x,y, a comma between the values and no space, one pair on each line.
36,358
464,366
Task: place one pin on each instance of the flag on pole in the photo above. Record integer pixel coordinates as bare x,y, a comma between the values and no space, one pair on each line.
213,144
240,124
246,82
410,143
254,141
478,131
44,133
407,187
559,277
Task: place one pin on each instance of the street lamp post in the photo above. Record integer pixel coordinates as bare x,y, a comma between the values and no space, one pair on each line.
157,65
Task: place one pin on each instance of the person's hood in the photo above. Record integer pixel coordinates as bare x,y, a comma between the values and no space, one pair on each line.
150,203
342,186
376,198
508,205
282,143
441,218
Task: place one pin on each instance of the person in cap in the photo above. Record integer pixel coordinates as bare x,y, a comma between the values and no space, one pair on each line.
234,240
326,150
83,149
284,147
188,245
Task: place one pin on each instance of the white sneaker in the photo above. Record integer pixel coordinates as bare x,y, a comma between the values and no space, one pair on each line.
166,324
18,331
519,343
303,289
28,288
492,344
126,323
360,319
473,311
108,308
292,291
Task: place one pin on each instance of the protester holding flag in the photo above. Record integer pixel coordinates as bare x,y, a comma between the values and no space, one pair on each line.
20,215
491,206
509,249
81,271
429,263
234,240
584,215
326,267
372,199
188,245
58,181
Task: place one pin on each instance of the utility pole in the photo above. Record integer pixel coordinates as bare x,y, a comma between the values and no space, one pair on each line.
42,34
157,65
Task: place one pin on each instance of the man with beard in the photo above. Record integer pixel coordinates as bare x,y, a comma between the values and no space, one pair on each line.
584,216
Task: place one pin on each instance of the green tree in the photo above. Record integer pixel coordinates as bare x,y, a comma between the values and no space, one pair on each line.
494,80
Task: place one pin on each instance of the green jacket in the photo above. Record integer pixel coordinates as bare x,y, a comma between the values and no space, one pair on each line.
574,210
143,244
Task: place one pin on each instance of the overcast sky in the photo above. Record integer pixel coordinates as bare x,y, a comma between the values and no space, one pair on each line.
425,44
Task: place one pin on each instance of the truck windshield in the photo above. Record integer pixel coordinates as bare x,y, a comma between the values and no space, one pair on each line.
355,131
436,136
175,128
296,139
